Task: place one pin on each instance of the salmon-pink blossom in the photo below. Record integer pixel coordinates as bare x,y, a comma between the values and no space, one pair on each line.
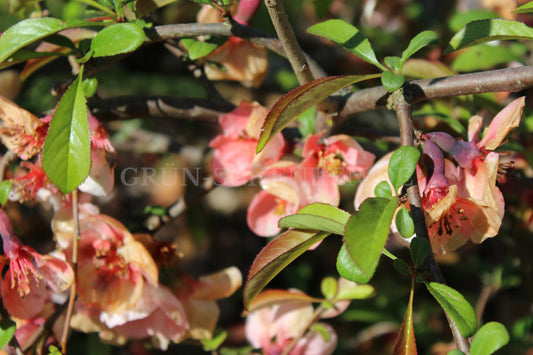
23,286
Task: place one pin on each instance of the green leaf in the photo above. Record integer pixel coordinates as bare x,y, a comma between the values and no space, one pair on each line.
406,343
404,223
482,57
328,287
355,292
349,270
383,189
459,19
455,352
419,249
297,101
61,41
7,331
117,39
31,30
67,148
394,63
401,266
488,30
489,338
52,350
455,305
322,331
215,341
420,41
367,231
402,165
391,81
275,256
5,188
89,86
198,49
528,7
317,216
306,124
347,36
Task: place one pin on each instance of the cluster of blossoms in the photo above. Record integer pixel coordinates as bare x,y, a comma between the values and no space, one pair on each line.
119,293
457,181
286,185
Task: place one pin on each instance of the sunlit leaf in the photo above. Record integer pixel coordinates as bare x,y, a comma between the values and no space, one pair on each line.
404,223
355,292
528,7
457,307
367,231
7,331
297,101
275,256
67,151
328,287
391,81
31,30
215,341
394,63
489,338
383,189
117,39
420,41
5,188
402,165
459,19
488,30
347,36
198,49
405,343
268,298
482,57
317,216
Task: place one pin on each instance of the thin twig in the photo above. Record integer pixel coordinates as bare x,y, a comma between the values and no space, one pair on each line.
402,106
73,288
288,40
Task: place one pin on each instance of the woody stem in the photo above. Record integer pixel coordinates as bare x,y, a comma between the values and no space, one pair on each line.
73,288
402,106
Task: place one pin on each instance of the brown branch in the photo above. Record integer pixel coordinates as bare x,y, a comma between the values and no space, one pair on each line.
127,107
511,79
288,41
402,106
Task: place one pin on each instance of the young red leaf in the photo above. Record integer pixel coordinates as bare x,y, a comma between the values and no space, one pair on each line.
297,101
275,256
405,343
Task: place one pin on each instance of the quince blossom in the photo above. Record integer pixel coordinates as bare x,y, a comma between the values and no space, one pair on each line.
23,291
234,160
272,329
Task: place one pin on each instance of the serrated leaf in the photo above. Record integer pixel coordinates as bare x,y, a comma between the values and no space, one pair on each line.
383,189
404,223
67,149
420,41
402,165
457,307
270,297
275,256
405,343
7,331
367,231
198,49
297,101
391,81
317,216
419,250
117,39
31,30
5,188
489,338
528,7
348,270
347,36
482,31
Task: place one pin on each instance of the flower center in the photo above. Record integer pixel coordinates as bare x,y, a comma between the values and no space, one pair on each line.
109,263
331,162
22,268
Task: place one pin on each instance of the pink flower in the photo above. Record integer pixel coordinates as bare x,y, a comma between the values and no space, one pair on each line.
273,328
23,290
234,160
